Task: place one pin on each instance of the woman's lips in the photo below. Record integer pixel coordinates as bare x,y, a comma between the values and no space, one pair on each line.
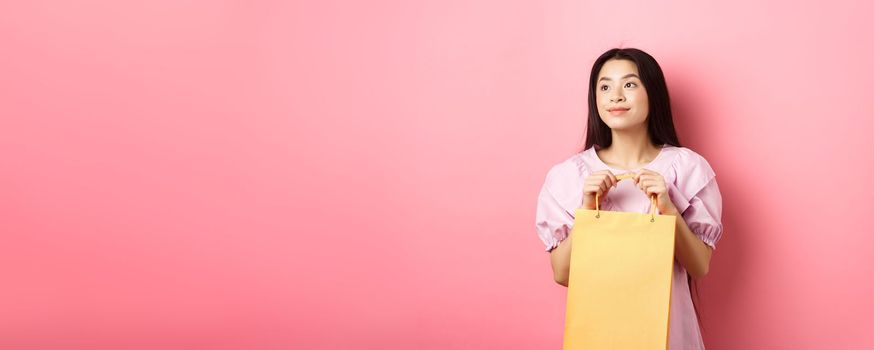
618,111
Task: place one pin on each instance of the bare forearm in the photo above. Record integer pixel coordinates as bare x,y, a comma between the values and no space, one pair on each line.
690,250
561,261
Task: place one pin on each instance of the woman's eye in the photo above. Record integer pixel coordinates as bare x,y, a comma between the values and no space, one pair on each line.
630,83
603,87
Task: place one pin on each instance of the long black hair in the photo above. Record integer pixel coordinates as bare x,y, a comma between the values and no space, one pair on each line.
660,121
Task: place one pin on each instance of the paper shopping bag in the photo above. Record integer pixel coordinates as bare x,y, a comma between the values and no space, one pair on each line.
619,287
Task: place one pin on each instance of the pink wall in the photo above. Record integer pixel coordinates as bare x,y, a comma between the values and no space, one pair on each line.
339,175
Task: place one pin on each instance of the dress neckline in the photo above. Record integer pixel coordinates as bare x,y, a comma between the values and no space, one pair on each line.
657,157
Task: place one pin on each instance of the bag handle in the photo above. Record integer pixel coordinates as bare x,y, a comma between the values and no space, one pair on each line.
626,176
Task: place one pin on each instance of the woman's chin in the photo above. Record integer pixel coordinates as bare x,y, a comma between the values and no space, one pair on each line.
622,125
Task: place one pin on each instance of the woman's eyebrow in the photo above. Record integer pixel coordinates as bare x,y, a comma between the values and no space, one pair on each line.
623,77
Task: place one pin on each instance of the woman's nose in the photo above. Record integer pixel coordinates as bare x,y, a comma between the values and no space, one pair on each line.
617,98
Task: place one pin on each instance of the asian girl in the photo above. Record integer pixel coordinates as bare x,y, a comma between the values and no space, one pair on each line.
631,130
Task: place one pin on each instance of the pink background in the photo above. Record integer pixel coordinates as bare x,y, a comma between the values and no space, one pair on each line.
339,175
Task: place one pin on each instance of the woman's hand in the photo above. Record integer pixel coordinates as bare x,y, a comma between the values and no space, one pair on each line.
598,182
651,182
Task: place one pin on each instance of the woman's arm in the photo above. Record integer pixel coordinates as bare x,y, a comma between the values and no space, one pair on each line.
690,250
561,261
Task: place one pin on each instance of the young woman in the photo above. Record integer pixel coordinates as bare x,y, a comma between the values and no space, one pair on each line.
631,130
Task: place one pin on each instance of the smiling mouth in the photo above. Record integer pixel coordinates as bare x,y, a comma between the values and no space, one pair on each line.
618,111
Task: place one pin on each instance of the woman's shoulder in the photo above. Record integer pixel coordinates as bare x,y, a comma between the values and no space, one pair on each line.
690,172
567,172
569,166
684,160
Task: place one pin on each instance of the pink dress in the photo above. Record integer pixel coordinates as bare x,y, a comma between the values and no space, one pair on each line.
692,188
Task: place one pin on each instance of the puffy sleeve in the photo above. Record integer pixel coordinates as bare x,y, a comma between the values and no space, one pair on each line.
553,221
704,214
697,197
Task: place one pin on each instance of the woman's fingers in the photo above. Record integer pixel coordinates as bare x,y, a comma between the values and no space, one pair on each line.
645,182
613,180
608,176
652,186
594,189
597,187
599,183
644,173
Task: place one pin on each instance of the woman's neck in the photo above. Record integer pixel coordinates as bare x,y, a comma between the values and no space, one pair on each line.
629,149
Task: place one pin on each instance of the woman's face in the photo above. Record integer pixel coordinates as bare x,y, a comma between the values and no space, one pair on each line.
621,97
